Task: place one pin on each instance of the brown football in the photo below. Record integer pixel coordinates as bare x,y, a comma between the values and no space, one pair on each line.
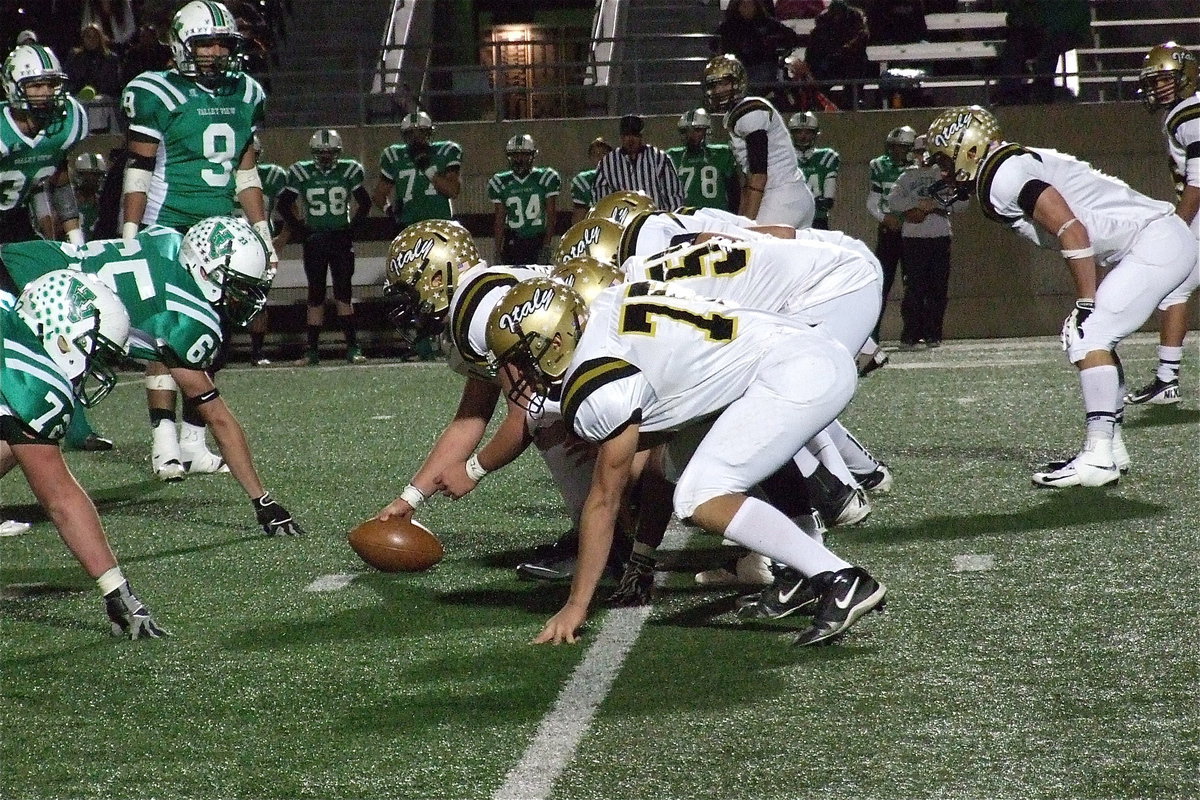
396,545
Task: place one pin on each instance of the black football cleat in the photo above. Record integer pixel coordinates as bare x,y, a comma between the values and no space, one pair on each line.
845,596
790,593
95,443
554,562
1156,392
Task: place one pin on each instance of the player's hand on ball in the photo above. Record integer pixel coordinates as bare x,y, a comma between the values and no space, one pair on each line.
563,626
274,518
398,509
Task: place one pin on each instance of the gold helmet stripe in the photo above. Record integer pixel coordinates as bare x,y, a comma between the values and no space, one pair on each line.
460,323
591,375
987,172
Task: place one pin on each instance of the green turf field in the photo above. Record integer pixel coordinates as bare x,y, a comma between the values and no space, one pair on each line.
1066,670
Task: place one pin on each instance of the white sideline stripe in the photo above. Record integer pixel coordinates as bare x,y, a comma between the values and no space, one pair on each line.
331,583
990,363
972,563
559,733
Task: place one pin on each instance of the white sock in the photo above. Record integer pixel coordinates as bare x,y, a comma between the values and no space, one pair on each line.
830,456
191,437
766,530
857,457
165,435
1101,398
1169,359
806,461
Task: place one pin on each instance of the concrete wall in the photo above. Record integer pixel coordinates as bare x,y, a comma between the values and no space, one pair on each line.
1000,284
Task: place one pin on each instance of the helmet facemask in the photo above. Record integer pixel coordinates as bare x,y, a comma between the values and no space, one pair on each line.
36,84
1169,74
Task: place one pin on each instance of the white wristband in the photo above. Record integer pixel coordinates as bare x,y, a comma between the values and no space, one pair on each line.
1084,252
129,231
75,236
475,470
263,229
430,171
412,495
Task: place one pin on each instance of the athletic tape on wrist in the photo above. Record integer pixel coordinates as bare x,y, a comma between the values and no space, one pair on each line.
475,470
137,180
1083,252
129,231
246,179
412,495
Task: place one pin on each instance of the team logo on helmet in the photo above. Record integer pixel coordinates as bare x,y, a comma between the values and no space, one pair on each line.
510,320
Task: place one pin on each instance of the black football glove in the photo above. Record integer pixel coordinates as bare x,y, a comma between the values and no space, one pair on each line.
274,518
637,582
128,616
422,157
1073,325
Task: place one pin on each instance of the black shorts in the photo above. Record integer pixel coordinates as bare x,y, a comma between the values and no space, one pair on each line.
329,253
521,251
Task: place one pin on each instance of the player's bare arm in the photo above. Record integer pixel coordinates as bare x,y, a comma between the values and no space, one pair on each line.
614,464
231,438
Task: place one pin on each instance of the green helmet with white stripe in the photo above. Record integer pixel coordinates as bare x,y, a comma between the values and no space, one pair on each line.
25,68
201,23
84,328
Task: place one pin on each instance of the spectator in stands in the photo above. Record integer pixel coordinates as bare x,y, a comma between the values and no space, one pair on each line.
636,165
837,48
896,21
802,94
799,9
584,181
925,248
757,39
94,64
147,54
114,17
1039,31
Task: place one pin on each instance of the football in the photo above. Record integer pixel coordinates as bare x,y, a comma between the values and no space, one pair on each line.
396,545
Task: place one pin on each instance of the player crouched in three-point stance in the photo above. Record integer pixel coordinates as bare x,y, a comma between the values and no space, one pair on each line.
176,288
644,360
1169,81
1059,202
59,347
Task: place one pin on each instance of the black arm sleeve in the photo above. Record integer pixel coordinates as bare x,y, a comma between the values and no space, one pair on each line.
1029,195
756,152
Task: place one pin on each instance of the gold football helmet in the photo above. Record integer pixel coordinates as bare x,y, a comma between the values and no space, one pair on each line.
957,142
621,205
1169,74
587,276
596,237
725,82
532,334
424,263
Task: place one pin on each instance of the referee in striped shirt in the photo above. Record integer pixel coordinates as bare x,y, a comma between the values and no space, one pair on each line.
637,165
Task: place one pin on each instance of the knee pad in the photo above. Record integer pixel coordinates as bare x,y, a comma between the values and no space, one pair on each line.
164,383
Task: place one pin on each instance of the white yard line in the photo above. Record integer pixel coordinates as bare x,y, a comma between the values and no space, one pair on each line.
332,583
560,732
973,563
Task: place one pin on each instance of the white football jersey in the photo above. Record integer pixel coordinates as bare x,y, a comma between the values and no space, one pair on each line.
1181,127
1113,213
654,232
842,240
653,357
752,114
785,276
479,290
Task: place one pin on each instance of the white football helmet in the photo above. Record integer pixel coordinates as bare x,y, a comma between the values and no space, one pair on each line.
521,150
83,327
804,128
228,261
90,164
326,146
696,118
416,127
535,329
203,22
27,66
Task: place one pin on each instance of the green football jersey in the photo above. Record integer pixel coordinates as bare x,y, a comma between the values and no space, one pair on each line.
32,387
170,321
581,188
524,199
820,168
705,175
202,135
884,173
414,197
25,163
326,194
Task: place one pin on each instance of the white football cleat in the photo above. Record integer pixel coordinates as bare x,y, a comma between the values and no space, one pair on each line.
11,527
749,570
1119,453
203,461
1094,466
